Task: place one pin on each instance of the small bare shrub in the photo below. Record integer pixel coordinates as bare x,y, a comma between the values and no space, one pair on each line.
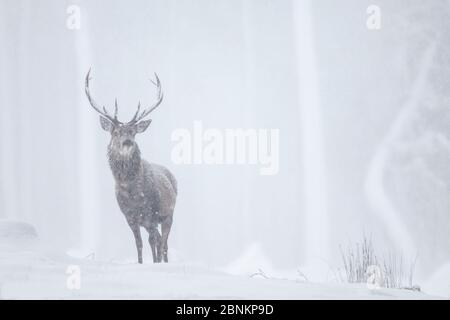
361,257
357,260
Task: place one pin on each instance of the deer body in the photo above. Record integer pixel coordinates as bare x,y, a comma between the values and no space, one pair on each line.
146,193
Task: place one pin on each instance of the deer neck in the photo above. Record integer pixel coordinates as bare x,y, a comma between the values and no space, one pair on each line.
125,169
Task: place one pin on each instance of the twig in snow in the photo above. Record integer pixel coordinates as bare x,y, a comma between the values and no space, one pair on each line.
260,273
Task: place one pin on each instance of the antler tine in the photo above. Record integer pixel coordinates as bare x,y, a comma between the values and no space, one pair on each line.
94,104
116,110
136,114
110,117
146,112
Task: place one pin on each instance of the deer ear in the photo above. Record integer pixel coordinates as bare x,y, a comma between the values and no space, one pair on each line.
143,125
106,124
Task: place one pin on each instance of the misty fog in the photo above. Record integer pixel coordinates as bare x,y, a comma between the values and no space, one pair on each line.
362,117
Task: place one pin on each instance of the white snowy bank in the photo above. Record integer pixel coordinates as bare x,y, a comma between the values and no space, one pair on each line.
34,275
30,271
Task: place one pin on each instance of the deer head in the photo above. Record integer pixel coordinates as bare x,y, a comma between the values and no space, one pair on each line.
123,133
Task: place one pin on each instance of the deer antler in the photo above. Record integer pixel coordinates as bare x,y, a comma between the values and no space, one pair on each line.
94,105
160,95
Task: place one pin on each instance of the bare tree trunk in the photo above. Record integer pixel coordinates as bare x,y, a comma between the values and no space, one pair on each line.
379,200
89,195
23,119
315,208
249,92
8,201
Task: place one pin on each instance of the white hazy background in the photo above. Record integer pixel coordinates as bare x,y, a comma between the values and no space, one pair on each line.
363,118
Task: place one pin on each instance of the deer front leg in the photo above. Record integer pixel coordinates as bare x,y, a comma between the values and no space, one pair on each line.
137,237
154,239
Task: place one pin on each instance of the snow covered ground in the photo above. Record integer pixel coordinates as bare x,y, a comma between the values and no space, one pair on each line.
30,274
29,270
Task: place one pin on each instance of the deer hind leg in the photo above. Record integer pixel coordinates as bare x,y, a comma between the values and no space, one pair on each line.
137,237
154,239
165,230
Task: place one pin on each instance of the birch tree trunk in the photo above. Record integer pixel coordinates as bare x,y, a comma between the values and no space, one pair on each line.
375,190
315,209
